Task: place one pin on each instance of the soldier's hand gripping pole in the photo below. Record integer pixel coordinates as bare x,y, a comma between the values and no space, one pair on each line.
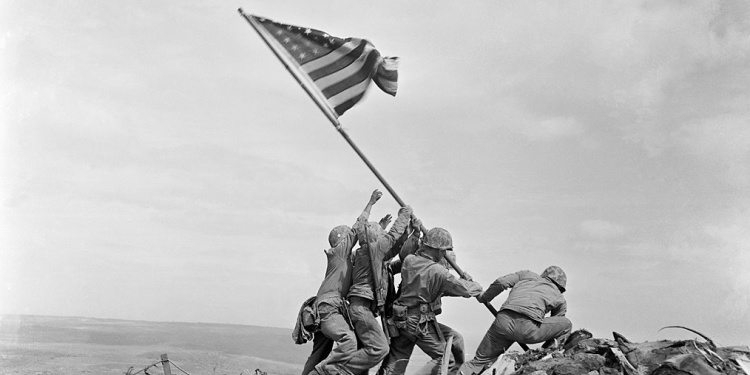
492,309
462,274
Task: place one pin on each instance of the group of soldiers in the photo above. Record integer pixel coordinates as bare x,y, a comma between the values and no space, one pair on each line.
358,288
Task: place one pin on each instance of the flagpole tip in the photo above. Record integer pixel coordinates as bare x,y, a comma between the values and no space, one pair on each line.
241,12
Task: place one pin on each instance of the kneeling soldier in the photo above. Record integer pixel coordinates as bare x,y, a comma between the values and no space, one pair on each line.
522,316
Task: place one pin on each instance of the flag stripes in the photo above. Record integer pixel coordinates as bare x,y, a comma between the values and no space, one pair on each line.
360,70
355,91
340,63
340,69
387,76
331,57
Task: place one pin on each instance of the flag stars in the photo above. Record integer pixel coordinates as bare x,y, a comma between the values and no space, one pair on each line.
308,31
287,40
315,51
294,47
302,55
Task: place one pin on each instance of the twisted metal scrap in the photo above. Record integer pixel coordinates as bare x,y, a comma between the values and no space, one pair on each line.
708,340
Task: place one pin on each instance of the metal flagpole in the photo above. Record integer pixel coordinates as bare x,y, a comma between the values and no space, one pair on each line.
282,55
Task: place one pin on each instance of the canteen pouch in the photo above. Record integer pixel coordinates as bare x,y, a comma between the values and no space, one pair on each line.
390,325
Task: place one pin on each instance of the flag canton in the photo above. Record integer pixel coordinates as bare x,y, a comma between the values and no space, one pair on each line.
302,43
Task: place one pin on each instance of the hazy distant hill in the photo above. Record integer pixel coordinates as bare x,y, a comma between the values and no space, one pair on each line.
71,345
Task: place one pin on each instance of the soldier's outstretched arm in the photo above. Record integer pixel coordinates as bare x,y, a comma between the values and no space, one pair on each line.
456,287
500,285
399,226
374,197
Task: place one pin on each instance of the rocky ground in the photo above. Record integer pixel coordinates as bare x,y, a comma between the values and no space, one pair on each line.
582,354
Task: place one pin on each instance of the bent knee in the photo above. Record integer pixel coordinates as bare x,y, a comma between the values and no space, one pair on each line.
567,326
379,353
458,339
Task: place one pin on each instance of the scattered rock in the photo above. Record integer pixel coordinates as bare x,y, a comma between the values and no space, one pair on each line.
582,354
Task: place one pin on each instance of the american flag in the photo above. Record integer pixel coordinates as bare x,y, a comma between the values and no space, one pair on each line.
340,69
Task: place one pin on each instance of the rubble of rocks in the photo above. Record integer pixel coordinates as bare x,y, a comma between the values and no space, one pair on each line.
582,354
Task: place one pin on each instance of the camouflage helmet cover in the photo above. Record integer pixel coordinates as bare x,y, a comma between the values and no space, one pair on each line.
557,276
374,232
438,238
337,234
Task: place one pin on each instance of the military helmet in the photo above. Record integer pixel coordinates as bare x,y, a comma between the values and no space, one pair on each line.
374,232
438,238
557,276
337,234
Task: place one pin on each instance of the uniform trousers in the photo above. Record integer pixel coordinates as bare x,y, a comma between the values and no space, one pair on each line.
509,327
373,343
334,328
426,337
322,346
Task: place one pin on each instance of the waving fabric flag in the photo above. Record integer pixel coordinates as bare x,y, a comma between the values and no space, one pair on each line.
340,70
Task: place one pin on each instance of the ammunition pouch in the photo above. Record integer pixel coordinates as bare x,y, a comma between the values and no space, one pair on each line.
400,314
425,311
392,328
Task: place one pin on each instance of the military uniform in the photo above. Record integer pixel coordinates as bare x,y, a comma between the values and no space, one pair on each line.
522,316
369,288
423,282
332,310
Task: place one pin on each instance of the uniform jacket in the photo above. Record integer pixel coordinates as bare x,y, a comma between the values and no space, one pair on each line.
338,278
376,253
531,295
424,281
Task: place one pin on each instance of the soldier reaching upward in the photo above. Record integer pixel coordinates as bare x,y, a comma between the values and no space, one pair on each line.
332,310
369,288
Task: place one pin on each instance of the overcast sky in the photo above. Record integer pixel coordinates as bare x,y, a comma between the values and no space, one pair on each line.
158,162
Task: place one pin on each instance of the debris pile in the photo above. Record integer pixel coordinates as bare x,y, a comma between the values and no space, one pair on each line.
582,354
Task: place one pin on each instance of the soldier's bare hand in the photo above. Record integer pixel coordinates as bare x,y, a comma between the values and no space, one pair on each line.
385,221
416,223
375,196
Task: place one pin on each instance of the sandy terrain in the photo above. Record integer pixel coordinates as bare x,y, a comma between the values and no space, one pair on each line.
66,345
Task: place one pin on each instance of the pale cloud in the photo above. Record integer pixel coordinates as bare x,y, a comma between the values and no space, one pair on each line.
601,229
555,128
693,65
724,141
733,242
646,69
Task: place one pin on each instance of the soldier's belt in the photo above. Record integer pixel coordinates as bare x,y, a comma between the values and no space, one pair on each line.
420,309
